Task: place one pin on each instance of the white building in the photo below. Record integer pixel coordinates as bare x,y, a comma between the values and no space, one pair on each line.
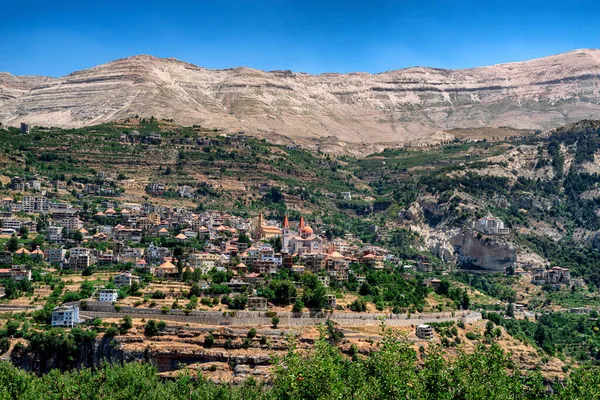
109,295
66,316
491,226
55,233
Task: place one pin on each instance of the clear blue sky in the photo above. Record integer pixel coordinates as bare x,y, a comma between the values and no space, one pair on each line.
54,38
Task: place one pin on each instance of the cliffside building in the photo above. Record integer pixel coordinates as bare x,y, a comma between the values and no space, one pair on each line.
491,226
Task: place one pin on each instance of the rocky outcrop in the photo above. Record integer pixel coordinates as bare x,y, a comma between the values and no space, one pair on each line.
486,252
408,105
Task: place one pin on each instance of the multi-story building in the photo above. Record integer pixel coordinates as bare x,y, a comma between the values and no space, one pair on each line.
424,332
55,233
55,256
109,295
32,204
16,273
257,303
65,316
17,183
552,276
81,258
556,275
125,279
11,223
491,226
203,261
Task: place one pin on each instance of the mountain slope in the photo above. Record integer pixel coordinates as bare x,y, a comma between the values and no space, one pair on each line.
396,106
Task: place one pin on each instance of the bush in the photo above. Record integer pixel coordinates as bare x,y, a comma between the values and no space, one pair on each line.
151,328
251,334
158,295
209,340
358,305
298,306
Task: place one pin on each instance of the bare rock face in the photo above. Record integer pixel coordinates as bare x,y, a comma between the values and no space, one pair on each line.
408,105
487,253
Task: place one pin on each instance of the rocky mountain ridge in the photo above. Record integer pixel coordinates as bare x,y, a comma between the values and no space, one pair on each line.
407,105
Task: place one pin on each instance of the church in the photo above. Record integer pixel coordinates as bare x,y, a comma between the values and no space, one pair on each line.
302,242
266,231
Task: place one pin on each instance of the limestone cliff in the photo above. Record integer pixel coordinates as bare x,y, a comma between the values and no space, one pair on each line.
407,105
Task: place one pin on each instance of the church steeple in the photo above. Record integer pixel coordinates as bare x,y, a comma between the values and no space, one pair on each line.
286,223
261,220
301,222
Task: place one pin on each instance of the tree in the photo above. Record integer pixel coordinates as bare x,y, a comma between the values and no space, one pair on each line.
281,291
489,328
24,232
298,305
151,328
510,310
127,324
209,340
78,236
358,305
275,321
13,243
195,290
238,302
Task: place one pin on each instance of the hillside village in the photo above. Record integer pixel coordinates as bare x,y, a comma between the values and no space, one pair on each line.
177,238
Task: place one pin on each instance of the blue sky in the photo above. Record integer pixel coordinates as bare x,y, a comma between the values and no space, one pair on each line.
54,38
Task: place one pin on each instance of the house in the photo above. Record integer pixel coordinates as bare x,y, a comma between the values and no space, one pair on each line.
330,301
17,183
25,128
5,257
166,270
257,303
324,279
10,223
433,283
109,295
580,310
125,279
424,332
237,285
346,195
66,316
16,273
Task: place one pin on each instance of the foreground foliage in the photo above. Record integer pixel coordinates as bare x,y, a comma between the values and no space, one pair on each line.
393,371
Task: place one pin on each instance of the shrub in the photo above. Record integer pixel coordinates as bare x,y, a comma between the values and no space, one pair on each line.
209,340
151,328
275,322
